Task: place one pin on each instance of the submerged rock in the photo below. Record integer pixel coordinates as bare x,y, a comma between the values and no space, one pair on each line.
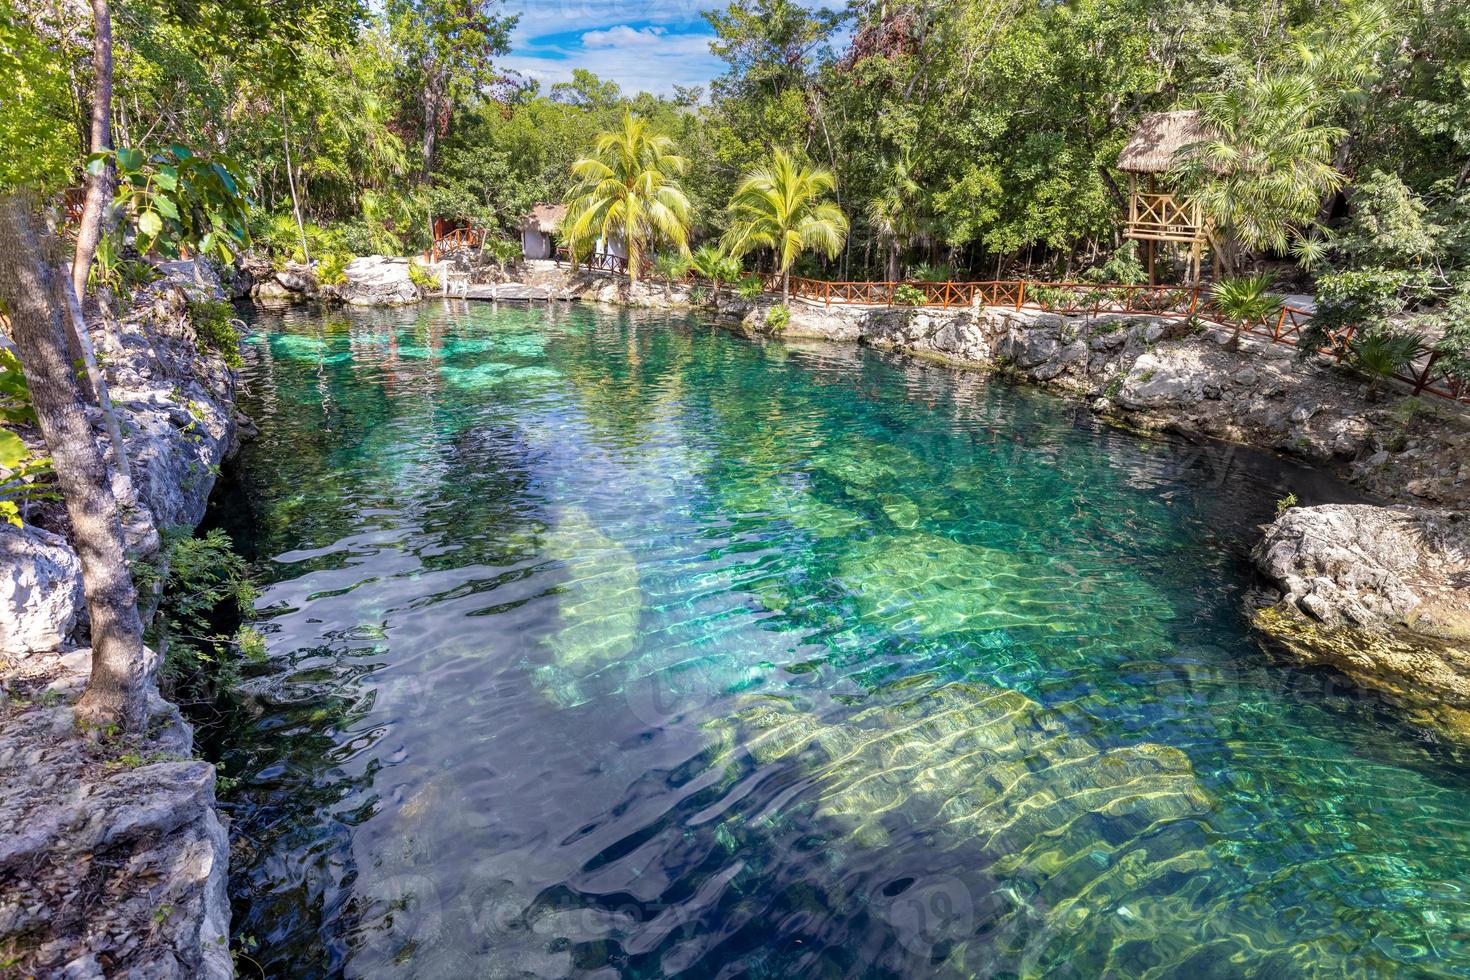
1381,593
1069,829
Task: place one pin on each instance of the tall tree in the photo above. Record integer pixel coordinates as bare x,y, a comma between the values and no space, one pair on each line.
447,47
1262,175
115,693
100,179
782,206
628,190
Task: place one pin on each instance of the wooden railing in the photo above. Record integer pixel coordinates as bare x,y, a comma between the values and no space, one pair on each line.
1072,298
1164,217
458,240
598,261
1053,297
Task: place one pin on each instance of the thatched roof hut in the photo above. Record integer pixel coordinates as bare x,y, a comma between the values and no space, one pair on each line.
544,218
1159,140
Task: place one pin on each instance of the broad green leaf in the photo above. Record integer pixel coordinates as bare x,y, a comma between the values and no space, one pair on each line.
129,158
13,450
150,224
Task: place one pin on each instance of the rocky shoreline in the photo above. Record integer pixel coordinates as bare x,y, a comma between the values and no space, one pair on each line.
118,862
1379,592
1199,380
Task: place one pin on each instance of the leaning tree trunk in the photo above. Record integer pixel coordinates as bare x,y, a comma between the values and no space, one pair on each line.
99,185
786,286
116,693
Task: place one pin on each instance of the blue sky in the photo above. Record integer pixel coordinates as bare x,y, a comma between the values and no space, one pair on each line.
643,46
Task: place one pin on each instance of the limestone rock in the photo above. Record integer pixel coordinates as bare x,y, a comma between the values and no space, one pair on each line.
379,280
1382,593
40,590
115,854
1165,377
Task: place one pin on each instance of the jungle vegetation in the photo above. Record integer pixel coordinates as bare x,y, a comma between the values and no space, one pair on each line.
974,137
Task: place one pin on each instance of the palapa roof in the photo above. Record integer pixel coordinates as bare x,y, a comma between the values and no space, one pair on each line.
545,217
1159,138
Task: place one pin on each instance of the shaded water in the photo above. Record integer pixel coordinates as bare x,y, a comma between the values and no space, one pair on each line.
607,645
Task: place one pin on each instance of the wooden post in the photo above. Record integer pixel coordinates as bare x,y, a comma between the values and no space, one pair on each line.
1021,295
1151,280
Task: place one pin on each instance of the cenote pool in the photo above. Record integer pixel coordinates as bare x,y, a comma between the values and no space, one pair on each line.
619,645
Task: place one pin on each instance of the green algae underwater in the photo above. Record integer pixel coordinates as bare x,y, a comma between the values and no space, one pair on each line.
612,644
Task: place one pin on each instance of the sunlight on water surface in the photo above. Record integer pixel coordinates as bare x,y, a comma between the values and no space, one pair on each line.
617,645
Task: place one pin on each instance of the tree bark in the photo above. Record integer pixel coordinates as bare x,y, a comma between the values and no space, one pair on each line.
99,186
116,694
786,286
291,180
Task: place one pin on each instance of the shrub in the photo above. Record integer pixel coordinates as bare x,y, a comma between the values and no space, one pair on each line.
750,287
671,266
1122,267
206,580
1246,300
778,318
1381,352
937,272
24,475
216,330
422,276
1285,504
906,295
332,269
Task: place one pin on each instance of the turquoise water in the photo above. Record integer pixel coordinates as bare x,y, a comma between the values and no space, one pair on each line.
619,645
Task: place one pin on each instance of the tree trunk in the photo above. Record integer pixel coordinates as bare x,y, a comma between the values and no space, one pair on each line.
786,286
291,180
432,99
893,260
116,693
99,186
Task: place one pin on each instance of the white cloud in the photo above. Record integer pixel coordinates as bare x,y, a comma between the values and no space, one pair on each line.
553,37
623,36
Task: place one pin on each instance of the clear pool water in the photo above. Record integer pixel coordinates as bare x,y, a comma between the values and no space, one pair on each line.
609,645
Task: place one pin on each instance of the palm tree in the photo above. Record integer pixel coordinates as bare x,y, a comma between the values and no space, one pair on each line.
627,189
895,211
712,262
1246,301
1262,175
780,206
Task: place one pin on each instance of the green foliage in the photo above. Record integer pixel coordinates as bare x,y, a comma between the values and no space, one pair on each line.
1285,504
671,266
1122,267
627,189
504,250
177,199
421,275
1246,300
906,295
1381,352
938,272
750,288
121,275
39,145
331,269
778,318
1264,172
710,261
782,206
215,325
206,581
24,475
